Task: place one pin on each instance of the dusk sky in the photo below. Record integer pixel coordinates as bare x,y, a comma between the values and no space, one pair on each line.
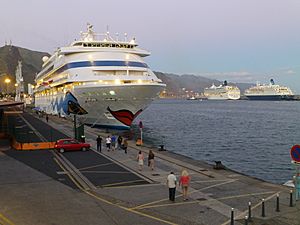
236,40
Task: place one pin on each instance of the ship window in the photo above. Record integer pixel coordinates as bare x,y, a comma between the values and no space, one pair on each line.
136,73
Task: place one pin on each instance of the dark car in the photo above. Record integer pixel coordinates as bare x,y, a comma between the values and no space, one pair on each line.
70,145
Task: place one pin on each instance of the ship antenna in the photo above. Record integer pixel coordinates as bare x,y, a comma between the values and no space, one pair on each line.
125,37
107,32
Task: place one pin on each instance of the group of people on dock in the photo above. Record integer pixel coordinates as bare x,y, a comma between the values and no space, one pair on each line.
184,182
112,143
140,159
119,143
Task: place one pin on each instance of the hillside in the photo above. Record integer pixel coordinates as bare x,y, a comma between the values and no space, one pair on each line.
176,83
32,63
9,57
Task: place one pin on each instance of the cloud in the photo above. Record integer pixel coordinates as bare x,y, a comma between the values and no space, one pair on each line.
290,72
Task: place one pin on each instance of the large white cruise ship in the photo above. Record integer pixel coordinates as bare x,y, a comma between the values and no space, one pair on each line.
270,91
222,92
106,77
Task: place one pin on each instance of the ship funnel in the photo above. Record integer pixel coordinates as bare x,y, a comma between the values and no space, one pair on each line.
272,82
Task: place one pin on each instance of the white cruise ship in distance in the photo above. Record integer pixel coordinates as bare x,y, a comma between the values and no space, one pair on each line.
222,92
270,91
107,77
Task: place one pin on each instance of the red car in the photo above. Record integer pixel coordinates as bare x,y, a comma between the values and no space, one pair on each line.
70,145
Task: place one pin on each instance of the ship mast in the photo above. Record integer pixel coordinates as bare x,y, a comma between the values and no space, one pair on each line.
19,82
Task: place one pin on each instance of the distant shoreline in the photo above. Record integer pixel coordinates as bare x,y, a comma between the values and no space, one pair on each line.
296,98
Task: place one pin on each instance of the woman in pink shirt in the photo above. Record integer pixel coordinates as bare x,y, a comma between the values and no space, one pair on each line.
184,181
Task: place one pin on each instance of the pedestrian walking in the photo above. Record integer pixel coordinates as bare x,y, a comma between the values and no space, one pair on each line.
108,143
151,160
113,142
119,142
171,182
99,140
184,182
47,118
140,159
125,145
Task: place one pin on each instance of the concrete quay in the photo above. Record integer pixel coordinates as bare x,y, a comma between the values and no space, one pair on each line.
48,194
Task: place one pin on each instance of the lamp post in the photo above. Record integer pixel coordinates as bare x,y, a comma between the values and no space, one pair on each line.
7,81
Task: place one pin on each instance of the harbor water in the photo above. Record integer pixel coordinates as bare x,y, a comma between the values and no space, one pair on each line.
251,137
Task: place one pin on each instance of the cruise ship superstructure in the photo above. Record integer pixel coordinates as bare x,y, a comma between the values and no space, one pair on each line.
222,92
270,91
107,77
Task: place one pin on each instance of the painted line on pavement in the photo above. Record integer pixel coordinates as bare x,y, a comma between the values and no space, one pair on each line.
68,174
129,210
161,200
209,181
125,182
206,200
116,172
99,165
132,186
5,220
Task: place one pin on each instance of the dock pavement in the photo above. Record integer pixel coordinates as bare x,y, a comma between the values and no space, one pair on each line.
141,198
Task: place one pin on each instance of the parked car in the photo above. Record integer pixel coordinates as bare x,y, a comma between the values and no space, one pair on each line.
70,145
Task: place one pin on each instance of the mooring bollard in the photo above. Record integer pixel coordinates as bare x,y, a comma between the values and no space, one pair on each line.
232,217
246,220
291,198
277,203
249,211
263,214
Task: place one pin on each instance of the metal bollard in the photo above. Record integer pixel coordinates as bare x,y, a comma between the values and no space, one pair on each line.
277,203
263,214
246,220
291,198
249,211
232,217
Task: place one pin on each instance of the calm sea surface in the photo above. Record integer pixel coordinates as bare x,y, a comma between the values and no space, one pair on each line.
252,137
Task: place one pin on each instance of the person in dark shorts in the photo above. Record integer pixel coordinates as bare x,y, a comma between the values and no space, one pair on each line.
99,140
125,145
151,160
119,141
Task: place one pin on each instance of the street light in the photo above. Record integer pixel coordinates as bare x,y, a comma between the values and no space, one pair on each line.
7,81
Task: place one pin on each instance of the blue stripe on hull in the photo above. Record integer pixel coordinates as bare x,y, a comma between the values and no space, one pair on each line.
271,97
99,63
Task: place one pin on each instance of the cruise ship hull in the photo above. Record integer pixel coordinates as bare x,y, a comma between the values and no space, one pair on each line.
222,98
101,103
270,97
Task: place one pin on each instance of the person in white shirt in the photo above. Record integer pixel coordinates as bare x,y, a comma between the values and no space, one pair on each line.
171,182
108,143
